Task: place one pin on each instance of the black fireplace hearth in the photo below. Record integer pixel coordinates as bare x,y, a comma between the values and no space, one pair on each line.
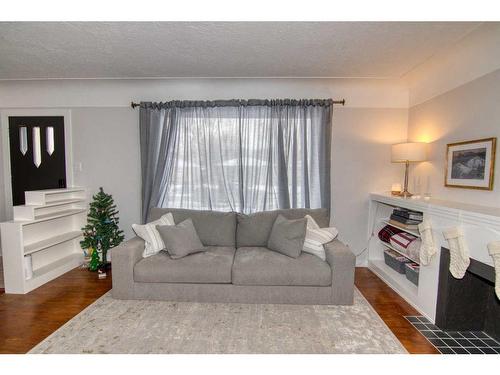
468,304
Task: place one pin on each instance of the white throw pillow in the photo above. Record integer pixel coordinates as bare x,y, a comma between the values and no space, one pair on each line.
152,239
316,237
311,223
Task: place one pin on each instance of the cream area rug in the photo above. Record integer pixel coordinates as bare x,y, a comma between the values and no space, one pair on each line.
117,326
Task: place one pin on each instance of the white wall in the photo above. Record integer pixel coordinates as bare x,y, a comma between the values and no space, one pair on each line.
468,112
2,191
474,56
454,97
361,163
360,93
106,141
3,215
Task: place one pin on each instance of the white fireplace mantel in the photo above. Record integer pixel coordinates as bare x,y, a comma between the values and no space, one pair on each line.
480,225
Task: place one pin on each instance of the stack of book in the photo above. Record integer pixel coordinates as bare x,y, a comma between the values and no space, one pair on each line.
405,218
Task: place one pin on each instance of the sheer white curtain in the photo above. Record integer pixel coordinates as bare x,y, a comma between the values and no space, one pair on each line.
243,156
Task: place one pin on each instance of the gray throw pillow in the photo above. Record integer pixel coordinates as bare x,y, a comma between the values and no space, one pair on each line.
287,236
181,239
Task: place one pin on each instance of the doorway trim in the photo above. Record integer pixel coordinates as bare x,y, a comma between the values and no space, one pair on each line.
5,114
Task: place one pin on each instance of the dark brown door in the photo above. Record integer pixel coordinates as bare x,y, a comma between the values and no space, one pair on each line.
25,174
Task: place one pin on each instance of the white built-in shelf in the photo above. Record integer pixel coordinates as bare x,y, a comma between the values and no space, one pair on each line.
51,241
58,191
55,215
44,197
46,208
53,270
59,202
492,214
43,238
388,245
479,224
55,265
411,231
381,207
394,279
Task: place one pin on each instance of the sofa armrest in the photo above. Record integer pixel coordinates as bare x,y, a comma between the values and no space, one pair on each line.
124,257
342,262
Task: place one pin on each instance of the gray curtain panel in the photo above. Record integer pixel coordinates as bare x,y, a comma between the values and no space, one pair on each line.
235,155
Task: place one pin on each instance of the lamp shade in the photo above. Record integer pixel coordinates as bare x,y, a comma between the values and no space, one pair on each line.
411,151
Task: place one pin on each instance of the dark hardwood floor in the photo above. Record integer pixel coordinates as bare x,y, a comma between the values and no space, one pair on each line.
392,309
25,320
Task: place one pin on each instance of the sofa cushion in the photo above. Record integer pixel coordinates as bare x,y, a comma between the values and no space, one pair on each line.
254,229
213,227
287,236
261,266
212,266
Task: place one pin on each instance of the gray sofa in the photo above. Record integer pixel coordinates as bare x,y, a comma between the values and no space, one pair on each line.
237,266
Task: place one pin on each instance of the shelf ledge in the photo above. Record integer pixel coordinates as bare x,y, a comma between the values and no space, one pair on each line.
411,231
389,246
52,241
404,287
53,270
60,202
51,216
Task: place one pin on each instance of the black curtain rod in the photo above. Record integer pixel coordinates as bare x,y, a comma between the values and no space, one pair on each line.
341,102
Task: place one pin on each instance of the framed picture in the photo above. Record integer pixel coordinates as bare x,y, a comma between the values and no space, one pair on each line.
471,164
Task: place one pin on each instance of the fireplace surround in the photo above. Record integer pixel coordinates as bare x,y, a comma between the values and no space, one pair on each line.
468,304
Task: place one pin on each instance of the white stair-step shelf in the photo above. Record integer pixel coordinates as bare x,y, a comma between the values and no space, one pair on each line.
47,229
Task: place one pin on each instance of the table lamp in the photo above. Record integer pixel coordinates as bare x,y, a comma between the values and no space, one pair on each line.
408,152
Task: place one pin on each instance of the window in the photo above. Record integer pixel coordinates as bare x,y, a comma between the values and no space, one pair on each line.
243,158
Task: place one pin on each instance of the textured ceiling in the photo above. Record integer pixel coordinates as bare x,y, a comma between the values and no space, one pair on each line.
31,50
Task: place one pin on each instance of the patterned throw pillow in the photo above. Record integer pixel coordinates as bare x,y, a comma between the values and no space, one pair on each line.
148,232
316,237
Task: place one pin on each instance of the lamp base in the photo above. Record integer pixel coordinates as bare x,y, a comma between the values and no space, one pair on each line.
406,194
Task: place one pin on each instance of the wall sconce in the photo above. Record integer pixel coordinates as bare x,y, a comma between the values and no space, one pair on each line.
49,136
23,139
37,149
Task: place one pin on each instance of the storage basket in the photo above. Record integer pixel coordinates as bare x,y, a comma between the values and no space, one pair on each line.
412,270
395,260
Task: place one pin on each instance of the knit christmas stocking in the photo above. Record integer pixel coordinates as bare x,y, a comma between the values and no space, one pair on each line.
459,254
428,247
494,249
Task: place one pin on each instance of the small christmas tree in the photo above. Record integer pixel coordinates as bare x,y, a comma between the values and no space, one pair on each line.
101,232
